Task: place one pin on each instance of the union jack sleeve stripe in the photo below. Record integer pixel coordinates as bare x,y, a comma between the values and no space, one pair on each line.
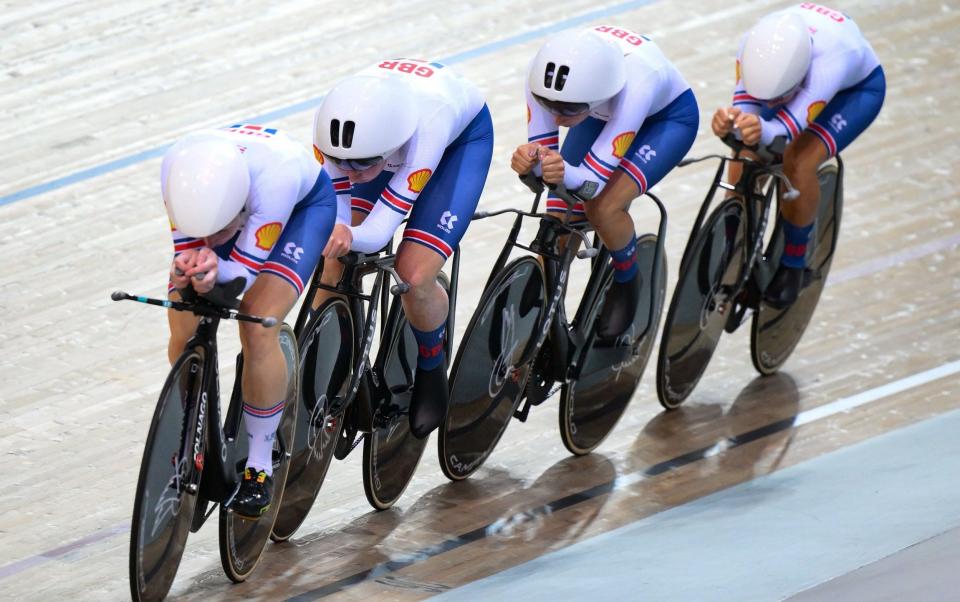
636,173
555,204
788,122
362,205
179,246
341,185
825,136
597,167
395,202
251,265
428,240
286,273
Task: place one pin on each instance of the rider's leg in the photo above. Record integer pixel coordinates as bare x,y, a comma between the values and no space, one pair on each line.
439,220
182,326
658,146
333,270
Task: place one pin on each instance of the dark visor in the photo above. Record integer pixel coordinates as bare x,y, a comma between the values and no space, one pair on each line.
354,164
558,107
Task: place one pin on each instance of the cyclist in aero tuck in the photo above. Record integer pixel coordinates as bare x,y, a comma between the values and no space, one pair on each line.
805,73
632,118
407,136
247,202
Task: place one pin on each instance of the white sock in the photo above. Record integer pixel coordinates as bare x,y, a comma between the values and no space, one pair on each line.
261,427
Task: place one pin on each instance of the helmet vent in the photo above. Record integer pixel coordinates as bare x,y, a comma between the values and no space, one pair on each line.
548,75
348,127
335,132
562,74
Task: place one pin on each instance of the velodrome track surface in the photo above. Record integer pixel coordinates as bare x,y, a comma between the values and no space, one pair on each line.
90,94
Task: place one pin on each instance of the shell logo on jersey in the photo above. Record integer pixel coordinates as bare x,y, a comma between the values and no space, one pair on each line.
418,179
738,71
268,234
814,110
528,113
622,143
317,154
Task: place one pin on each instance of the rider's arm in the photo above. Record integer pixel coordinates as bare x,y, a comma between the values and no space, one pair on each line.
343,190
628,110
422,155
541,125
271,202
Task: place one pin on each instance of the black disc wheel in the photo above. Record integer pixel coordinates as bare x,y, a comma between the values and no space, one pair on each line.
775,332
390,451
241,540
610,369
701,302
326,361
166,490
489,373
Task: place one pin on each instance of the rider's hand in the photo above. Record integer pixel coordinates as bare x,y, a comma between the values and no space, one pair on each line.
339,242
203,274
551,162
182,263
723,120
749,126
525,157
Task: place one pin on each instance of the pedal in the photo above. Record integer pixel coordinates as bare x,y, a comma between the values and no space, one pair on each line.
522,413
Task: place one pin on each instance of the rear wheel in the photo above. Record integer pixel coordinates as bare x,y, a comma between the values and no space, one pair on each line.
325,366
776,332
166,490
241,540
610,369
700,305
488,380
390,451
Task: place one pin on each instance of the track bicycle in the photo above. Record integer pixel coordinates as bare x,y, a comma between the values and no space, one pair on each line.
195,455
729,261
521,347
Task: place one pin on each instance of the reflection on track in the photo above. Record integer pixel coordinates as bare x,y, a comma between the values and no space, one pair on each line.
705,430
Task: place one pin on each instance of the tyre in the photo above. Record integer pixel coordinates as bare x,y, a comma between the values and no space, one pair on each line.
610,370
701,304
242,541
390,451
775,333
486,382
326,360
166,489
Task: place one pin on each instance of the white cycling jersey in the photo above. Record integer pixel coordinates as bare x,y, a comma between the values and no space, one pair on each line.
841,58
446,103
652,84
281,174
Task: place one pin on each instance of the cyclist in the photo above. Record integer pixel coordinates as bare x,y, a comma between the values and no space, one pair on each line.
247,202
632,118
407,136
805,73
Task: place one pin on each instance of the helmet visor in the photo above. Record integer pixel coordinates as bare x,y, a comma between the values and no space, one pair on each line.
561,108
354,164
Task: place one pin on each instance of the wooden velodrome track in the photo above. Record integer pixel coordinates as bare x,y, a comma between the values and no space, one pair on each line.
90,91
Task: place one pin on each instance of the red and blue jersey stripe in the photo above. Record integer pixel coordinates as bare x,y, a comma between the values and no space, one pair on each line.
184,244
600,168
284,272
251,262
396,201
823,134
790,122
428,240
636,173
740,97
550,139
361,205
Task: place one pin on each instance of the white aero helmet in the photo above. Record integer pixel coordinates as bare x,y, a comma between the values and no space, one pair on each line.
206,186
776,56
573,72
363,119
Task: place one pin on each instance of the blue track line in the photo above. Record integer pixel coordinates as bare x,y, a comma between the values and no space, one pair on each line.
140,157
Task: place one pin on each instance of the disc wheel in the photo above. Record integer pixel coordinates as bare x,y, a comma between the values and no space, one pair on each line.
488,378
700,305
774,332
326,361
165,499
390,451
241,540
610,369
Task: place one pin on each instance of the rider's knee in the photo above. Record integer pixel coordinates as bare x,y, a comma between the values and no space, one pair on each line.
600,212
802,158
421,278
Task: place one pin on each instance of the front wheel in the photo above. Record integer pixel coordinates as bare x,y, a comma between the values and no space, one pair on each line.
166,490
701,302
241,540
610,369
774,332
489,374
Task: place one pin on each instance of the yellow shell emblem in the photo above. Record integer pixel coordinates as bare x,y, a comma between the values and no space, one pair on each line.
318,154
738,71
622,143
814,110
267,235
528,113
418,179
